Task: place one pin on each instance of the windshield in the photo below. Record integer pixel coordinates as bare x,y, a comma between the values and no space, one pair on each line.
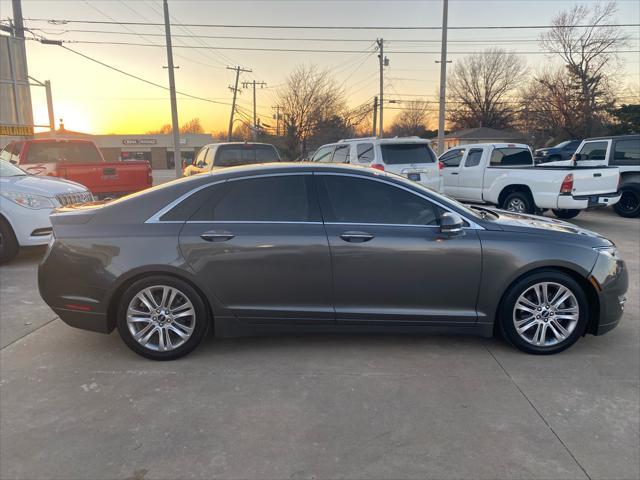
8,170
562,144
406,153
72,152
231,155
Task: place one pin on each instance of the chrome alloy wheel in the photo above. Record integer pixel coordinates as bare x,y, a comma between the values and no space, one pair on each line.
161,318
516,205
546,314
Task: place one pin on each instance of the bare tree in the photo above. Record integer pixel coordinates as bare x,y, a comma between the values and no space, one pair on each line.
192,126
412,120
309,98
588,53
480,89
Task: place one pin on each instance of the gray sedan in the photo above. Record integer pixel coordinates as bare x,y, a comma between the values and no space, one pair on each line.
323,248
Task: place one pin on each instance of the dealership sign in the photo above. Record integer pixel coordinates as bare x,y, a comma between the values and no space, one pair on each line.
140,141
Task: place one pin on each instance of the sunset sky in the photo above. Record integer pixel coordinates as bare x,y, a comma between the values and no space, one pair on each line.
94,99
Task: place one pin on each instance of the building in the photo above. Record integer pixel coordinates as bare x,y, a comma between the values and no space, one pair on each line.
157,149
480,135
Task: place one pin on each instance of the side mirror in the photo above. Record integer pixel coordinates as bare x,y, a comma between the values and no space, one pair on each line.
451,223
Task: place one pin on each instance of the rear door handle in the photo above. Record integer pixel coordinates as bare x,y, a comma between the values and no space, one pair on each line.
597,174
217,236
454,173
356,237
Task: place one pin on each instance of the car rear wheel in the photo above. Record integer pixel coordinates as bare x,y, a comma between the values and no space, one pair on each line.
629,204
544,313
162,318
8,243
566,214
518,202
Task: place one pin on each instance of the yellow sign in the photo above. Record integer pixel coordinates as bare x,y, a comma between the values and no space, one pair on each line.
16,130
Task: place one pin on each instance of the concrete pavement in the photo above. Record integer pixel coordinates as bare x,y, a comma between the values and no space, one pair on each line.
78,405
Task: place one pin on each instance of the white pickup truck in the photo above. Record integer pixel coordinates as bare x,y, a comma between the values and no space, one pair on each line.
505,175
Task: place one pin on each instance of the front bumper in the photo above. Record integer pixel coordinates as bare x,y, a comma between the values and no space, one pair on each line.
31,227
582,202
613,280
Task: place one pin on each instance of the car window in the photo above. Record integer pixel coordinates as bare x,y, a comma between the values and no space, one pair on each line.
347,199
511,157
323,154
10,170
71,152
341,154
199,160
208,158
187,207
283,198
406,153
266,154
452,159
5,154
473,158
627,152
365,152
594,151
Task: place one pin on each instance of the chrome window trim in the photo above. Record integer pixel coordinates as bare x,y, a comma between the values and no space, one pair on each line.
472,225
155,218
271,222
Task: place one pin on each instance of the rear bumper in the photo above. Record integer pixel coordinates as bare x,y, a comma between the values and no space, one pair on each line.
95,322
570,202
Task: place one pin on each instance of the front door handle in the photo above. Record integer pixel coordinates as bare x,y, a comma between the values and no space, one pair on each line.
454,173
356,237
217,236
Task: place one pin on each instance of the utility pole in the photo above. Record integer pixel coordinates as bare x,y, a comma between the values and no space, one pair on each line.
234,89
443,76
255,122
52,119
383,63
18,22
375,114
277,117
177,157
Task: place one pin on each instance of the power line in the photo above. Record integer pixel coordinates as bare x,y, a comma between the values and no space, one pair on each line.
334,27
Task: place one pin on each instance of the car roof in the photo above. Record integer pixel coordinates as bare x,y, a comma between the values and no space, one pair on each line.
498,145
614,137
219,144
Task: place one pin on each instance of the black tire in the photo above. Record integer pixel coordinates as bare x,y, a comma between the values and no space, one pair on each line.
201,320
629,204
566,214
519,198
506,312
9,247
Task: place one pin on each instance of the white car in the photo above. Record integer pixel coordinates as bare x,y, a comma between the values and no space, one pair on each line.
25,204
504,174
411,157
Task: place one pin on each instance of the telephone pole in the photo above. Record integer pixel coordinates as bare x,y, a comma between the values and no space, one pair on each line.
375,114
443,76
255,122
384,61
234,89
52,119
277,117
177,158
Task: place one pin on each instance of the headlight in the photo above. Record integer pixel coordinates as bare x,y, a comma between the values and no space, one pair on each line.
546,152
29,200
610,251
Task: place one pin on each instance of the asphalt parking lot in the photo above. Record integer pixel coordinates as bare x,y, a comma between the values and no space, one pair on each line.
79,405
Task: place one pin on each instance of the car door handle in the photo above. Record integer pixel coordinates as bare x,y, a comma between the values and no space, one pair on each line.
356,237
454,173
217,236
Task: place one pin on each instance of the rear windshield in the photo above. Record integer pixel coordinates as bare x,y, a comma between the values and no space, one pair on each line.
72,152
230,155
509,157
401,153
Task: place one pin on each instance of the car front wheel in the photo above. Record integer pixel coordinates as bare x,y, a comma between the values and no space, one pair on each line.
162,318
544,313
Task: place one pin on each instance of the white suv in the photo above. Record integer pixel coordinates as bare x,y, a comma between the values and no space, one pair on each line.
411,157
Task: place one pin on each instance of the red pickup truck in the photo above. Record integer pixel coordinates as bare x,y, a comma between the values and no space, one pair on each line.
79,161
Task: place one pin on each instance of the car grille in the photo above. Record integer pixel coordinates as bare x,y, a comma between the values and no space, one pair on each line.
66,199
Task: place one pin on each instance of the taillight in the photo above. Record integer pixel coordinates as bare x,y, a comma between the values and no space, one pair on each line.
378,166
440,165
567,184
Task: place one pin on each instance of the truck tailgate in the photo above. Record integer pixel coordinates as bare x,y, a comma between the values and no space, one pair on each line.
592,181
108,178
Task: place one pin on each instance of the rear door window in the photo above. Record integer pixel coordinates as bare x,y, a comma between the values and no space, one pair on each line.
365,152
406,153
341,154
594,151
511,157
473,158
70,152
626,152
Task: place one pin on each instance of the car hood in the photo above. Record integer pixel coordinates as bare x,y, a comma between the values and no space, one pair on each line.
543,150
515,222
45,186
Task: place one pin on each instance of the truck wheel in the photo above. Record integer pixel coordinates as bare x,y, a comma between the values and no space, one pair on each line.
566,214
629,204
8,243
518,202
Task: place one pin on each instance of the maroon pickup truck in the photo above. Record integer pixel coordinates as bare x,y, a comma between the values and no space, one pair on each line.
79,161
